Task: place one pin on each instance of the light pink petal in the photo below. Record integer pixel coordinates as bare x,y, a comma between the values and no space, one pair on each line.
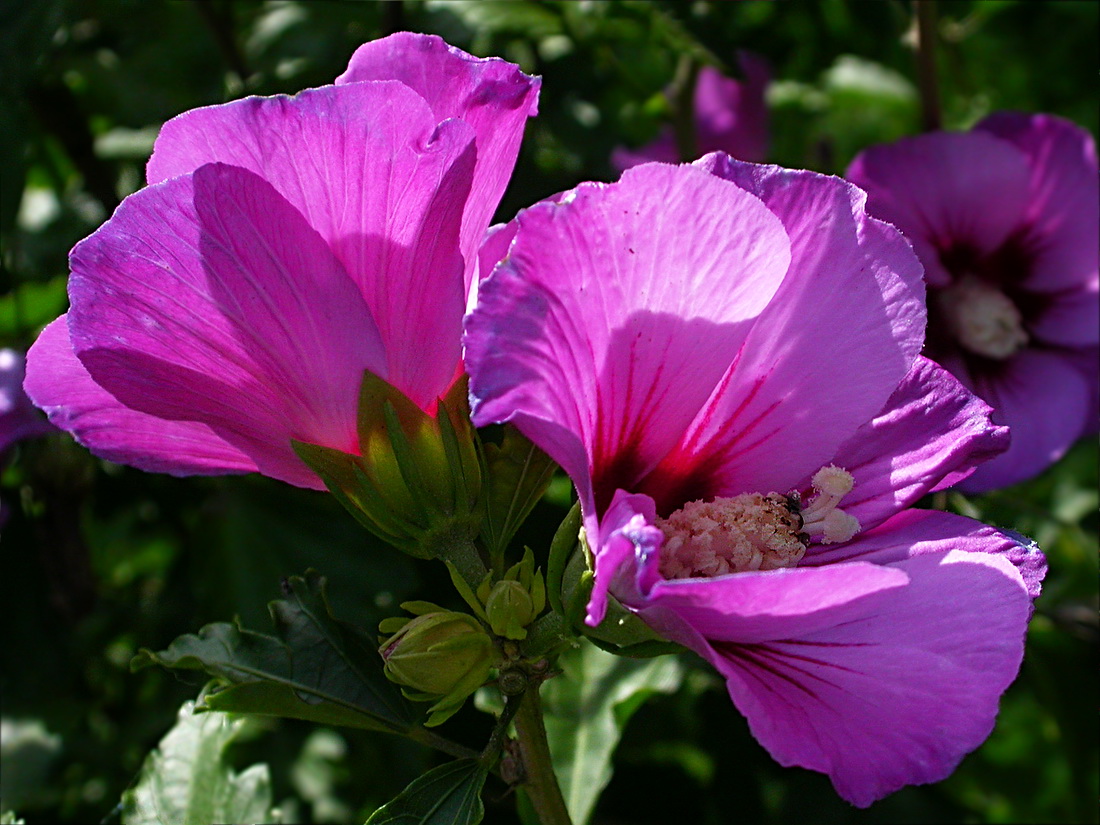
18,417
732,115
616,312
879,686
208,298
383,182
946,191
1023,392
490,94
931,434
822,359
60,385
919,532
626,546
1063,210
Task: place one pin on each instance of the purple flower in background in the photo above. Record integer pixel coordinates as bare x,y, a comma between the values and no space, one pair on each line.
283,246
1006,220
18,417
725,359
731,116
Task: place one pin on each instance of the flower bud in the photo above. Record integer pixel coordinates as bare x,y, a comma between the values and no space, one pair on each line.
441,656
510,609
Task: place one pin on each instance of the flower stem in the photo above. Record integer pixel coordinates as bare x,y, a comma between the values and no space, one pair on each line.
541,784
925,11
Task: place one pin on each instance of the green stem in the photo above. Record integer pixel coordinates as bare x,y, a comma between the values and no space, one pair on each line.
683,106
464,555
541,784
925,11
500,732
440,743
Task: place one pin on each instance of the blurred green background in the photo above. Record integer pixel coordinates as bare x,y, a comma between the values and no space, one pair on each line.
97,561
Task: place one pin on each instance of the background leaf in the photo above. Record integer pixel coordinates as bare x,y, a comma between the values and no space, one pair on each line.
186,780
586,709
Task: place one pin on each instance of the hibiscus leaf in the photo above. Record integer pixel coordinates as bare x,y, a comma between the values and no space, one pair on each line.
447,795
317,668
586,709
187,781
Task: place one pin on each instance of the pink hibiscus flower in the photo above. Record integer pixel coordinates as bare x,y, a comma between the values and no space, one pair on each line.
283,246
1006,220
725,359
18,417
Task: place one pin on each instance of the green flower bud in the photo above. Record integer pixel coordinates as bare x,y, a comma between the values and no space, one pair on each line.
442,656
510,609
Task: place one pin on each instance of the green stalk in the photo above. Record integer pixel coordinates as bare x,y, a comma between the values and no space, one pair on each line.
541,784
925,11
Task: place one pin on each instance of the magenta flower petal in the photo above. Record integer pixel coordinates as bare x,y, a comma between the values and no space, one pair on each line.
952,189
61,386
890,688
1023,394
1063,209
620,300
825,355
371,171
932,531
18,417
895,460
491,95
208,298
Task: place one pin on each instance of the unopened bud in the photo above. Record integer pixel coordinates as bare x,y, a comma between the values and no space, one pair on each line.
510,609
442,656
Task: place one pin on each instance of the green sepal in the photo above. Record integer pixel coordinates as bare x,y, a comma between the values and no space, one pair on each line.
420,608
416,481
639,650
562,548
516,475
466,593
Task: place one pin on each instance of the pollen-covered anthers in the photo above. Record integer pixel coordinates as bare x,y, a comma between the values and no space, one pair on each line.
821,518
982,318
731,535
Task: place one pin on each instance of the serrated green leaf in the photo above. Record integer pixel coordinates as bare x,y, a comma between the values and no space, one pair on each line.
447,795
186,780
582,725
318,667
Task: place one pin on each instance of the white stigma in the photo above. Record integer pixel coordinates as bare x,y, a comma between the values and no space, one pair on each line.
821,518
982,318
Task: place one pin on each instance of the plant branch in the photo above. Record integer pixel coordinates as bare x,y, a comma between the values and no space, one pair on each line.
541,784
925,13
440,743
